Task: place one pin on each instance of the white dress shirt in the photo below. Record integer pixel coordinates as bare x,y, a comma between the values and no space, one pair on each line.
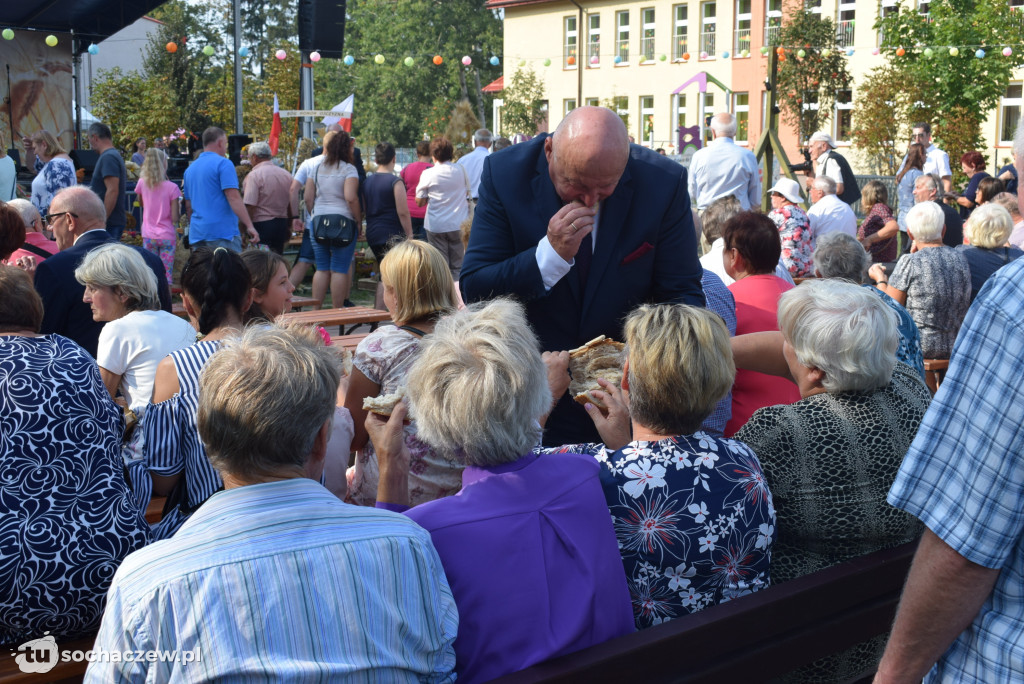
831,214
473,163
723,168
823,167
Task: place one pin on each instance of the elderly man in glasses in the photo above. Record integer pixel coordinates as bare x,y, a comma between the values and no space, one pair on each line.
78,220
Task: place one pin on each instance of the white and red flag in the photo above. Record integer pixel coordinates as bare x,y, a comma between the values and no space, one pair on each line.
344,110
275,128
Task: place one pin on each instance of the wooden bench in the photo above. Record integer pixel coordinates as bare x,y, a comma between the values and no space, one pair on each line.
750,639
934,372
349,342
353,316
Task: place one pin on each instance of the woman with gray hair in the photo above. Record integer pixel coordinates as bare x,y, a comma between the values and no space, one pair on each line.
831,457
933,282
693,516
122,292
841,256
987,229
527,545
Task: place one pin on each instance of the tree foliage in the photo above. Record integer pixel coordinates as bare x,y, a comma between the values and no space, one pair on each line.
813,79
888,103
939,48
523,107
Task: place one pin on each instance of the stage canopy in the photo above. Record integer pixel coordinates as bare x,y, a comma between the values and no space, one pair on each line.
90,20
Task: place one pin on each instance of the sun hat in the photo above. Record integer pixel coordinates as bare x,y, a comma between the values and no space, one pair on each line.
822,136
788,188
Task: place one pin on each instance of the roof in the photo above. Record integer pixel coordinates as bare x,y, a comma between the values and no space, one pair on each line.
495,86
499,4
92,20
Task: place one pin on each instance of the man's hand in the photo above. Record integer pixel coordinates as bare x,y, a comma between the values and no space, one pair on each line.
568,227
388,437
254,237
613,424
557,364
297,226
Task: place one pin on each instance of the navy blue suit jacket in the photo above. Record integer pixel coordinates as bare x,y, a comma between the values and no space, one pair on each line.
64,312
646,252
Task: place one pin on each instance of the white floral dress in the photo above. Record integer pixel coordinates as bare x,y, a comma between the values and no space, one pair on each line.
385,357
694,520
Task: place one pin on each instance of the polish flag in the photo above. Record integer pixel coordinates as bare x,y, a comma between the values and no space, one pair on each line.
275,128
344,110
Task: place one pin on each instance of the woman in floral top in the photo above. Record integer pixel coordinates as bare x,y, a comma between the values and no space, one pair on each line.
693,515
794,228
418,289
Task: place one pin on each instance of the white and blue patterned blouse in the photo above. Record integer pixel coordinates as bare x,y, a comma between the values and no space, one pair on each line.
172,437
67,518
54,176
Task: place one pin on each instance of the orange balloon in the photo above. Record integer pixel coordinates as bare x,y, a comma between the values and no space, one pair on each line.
570,61
686,56
172,47
780,51
438,59
900,52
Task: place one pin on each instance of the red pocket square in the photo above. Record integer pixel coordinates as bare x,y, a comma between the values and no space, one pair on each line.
637,253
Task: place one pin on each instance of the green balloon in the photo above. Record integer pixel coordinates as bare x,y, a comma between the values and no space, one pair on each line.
764,50
8,34
928,52
208,50
663,58
409,61
801,54
522,62
547,62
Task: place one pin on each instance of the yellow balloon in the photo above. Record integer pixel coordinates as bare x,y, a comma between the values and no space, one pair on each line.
51,40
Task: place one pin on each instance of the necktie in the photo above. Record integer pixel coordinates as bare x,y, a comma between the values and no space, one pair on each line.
584,256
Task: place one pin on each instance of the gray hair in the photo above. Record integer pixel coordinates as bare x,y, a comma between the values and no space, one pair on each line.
717,215
124,270
843,330
925,221
479,386
1006,200
933,181
724,125
260,150
838,255
28,212
825,184
83,202
481,135
263,398
988,226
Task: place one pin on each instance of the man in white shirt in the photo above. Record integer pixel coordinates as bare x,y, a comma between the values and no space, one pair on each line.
936,161
473,163
828,213
8,176
820,146
723,168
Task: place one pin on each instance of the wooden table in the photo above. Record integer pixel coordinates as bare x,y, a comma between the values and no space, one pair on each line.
178,309
348,342
353,316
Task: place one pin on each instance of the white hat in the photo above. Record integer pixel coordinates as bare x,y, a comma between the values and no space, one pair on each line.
788,188
822,136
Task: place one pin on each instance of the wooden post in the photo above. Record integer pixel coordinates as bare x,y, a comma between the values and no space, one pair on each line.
768,145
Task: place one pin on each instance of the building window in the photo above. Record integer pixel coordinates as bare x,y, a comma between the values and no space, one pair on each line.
591,102
594,39
887,8
1009,112
647,120
741,35
810,110
842,118
813,6
709,111
681,111
741,108
647,39
622,36
569,52
845,15
922,7
568,105
772,21
707,30
620,105
679,32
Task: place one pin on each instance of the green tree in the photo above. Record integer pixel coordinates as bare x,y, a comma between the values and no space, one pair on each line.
814,78
888,103
523,107
133,106
939,47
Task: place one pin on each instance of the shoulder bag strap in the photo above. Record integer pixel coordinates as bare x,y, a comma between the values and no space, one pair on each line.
38,251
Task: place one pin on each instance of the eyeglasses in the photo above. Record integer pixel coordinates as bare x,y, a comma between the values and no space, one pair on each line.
50,218
916,136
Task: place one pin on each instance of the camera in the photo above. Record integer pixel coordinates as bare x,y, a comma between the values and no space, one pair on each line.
806,165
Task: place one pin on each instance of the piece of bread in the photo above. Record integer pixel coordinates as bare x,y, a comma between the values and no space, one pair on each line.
599,358
384,404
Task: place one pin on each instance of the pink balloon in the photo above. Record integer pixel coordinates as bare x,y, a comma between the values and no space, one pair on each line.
280,54
1007,52
314,57
466,60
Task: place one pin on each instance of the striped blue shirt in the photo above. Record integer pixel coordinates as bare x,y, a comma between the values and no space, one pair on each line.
719,300
964,476
281,581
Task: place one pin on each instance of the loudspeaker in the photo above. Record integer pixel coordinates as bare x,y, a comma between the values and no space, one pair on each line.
85,159
176,167
322,27
235,144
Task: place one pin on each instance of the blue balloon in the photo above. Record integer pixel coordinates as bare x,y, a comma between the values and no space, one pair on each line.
494,61
618,59
349,60
94,49
980,54
243,51
849,52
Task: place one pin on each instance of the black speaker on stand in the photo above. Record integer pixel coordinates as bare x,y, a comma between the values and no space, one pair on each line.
322,27
85,160
235,144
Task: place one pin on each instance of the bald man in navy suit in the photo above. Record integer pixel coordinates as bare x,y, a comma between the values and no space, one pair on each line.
582,227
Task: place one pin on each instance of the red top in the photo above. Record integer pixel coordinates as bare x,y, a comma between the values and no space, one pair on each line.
36,240
411,177
757,301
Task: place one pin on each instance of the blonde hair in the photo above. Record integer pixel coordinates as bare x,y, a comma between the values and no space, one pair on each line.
680,366
420,279
874,192
989,226
154,167
53,146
